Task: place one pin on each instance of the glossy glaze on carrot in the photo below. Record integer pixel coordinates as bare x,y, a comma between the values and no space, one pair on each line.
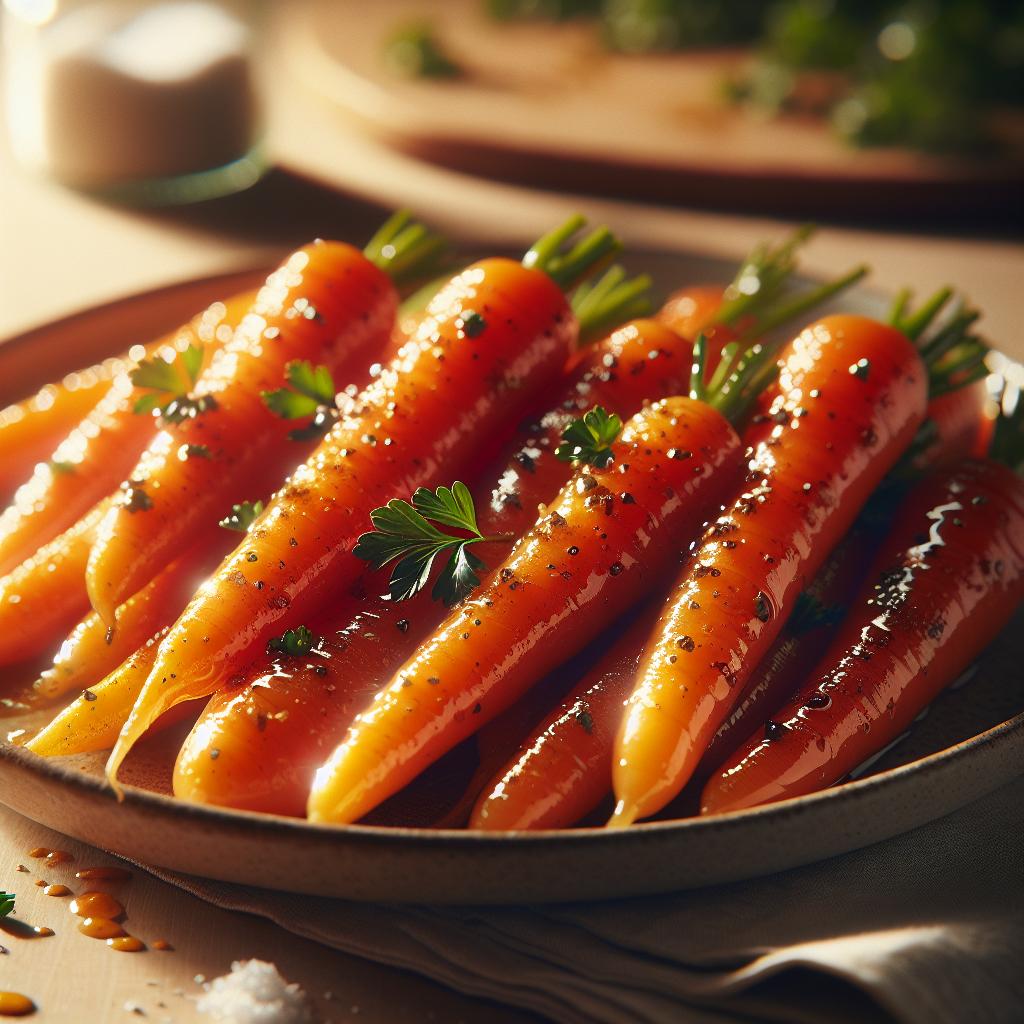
299,718
45,595
447,394
327,304
948,578
32,428
561,769
92,649
94,718
267,759
850,397
597,548
98,452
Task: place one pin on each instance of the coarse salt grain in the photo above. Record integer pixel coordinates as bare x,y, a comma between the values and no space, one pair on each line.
254,993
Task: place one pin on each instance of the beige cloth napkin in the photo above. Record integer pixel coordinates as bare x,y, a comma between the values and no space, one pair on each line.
927,928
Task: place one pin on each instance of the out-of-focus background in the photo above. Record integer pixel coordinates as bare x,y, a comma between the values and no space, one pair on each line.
190,136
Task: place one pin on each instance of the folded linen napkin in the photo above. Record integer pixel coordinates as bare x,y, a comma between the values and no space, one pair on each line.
926,928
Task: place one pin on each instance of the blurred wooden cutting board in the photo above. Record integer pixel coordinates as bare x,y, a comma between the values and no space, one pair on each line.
546,104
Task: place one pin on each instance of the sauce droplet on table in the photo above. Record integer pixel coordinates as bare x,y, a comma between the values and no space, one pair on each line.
14,1004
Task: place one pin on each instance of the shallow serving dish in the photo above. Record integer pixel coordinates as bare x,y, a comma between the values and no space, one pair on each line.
970,743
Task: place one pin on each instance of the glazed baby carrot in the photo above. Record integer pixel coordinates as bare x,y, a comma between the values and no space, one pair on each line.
43,597
496,332
561,769
280,717
328,303
597,548
851,394
93,649
32,428
959,431
929,607
94,718
94,457
277,721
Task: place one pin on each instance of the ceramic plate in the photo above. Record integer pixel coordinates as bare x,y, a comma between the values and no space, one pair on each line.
970,742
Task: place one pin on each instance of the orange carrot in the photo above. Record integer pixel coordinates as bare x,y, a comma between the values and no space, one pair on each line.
595,551
43,597
850,397
267,759
93,649
490,337
90,462
327,304
929,607
94,718
278,720
32,428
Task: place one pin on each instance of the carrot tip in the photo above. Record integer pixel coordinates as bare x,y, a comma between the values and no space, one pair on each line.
624,815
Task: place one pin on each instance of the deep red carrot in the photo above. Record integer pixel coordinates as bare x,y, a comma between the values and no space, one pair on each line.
850,397
494,334
929,607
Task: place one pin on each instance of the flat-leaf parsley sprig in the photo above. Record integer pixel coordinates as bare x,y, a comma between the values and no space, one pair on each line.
408,534
168,386
6,903
311,393
242,516
589,438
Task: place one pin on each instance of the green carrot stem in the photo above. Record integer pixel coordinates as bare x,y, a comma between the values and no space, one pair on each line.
966,369
946,339
801,304
761,277
1007,444
914,325
899,305
611,300
587,256
700,350
404,249
727,365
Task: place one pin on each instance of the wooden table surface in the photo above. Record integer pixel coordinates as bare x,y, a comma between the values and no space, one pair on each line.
62,252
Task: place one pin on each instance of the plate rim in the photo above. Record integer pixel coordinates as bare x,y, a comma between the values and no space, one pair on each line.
55,769
77,782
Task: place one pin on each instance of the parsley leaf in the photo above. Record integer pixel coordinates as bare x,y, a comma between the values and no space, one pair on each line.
242,516
293,643
312,393
406,534
169,384
62,468
589,438
6,903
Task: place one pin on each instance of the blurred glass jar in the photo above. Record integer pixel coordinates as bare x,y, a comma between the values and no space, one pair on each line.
148,102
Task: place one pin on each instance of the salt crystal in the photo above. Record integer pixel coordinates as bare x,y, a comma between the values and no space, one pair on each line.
255,993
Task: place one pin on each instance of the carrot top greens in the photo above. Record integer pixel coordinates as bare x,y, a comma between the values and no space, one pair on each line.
242,516
611,300
589,438
408,534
